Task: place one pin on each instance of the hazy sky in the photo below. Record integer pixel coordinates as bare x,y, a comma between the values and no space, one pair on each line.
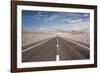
51,21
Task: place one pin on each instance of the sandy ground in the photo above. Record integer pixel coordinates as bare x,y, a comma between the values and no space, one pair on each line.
29,38
32,37
82,37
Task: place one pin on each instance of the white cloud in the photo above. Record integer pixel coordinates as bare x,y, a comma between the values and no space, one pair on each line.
80,26
60,21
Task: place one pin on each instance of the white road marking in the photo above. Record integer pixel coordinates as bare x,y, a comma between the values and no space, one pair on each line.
57,57
57,45
57,40
34,46
77,44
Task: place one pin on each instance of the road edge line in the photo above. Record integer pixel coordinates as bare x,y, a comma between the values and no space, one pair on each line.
77,44
35,45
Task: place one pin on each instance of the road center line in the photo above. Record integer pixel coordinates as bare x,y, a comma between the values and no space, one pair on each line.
57,40
57,57
34,46
57,45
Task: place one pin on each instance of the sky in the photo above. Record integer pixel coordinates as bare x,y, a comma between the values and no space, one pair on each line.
52,21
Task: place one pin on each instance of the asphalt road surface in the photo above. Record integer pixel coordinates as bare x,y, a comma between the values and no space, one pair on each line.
55,49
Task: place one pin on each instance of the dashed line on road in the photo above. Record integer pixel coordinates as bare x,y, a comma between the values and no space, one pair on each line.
57,57
57,45
57,40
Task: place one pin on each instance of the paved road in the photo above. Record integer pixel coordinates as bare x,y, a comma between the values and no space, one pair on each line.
54,49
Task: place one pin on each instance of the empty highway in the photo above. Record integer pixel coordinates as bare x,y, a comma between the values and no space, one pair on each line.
55,49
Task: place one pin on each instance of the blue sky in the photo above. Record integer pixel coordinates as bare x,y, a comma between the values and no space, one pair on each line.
52,21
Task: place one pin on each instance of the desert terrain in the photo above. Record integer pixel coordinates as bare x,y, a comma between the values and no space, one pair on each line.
37,35
55,45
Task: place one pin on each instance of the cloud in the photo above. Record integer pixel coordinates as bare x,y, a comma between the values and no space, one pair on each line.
61,22
45,20
79,25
